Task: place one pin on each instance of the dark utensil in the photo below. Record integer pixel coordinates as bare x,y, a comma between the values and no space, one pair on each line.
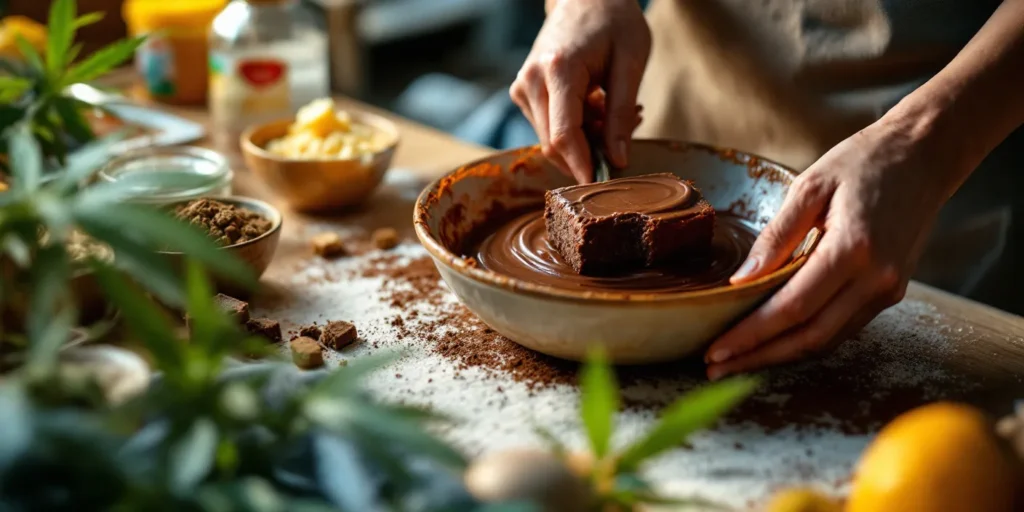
602,170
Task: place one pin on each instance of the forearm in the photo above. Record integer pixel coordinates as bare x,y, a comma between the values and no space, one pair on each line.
975,102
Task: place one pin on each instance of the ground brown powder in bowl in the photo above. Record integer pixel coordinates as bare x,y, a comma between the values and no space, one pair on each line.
226,223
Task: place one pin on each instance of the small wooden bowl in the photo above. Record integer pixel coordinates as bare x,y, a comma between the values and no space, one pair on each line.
256,253
323,184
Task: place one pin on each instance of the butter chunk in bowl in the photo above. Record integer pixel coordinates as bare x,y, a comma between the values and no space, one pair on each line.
324,159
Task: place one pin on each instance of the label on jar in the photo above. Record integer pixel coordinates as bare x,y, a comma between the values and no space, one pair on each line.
246,90
155,61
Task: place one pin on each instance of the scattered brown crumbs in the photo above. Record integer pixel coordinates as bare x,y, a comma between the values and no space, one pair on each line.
310,331
385,238
328,245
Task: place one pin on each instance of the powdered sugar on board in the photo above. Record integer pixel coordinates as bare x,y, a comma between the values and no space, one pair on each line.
806,426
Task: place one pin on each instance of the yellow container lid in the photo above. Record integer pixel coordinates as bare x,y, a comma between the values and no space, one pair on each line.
146,15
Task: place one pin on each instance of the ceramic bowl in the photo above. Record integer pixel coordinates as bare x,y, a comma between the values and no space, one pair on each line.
319,185
633,328
256,253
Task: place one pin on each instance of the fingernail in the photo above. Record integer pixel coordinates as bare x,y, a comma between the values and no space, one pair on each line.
720,355
623,153
747,268
716,374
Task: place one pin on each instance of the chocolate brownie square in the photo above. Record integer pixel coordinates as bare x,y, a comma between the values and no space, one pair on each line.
338,335
628,223
265,327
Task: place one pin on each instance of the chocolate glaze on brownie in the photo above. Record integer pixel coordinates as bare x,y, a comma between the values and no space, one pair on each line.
621,225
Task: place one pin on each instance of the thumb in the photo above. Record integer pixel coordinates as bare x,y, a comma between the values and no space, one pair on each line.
622,85
804,206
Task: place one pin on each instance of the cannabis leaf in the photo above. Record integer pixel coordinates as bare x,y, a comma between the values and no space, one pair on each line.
600,401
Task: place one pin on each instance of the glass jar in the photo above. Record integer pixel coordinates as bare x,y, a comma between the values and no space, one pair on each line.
267,59
179,174
173,58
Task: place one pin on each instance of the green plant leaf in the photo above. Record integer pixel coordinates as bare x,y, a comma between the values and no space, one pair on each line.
73,53
51,312
26,159
102,61
158,228
13,88
71,118
144,318
205,319
191,457
599,401
81,165
389,428
60,33
16,430
694,411
88,18
251,494
341,474
31,55
345,381
141,262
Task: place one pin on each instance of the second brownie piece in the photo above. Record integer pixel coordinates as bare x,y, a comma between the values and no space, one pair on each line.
628,223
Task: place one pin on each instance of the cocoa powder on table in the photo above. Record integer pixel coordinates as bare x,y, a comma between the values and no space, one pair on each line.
843,391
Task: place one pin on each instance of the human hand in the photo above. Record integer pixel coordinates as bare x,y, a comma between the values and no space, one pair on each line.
587,62
876,194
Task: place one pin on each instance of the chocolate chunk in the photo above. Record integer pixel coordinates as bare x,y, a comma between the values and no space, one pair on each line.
628,223
307,353
338,335
310,331
236,309
328,245
385,238
265,327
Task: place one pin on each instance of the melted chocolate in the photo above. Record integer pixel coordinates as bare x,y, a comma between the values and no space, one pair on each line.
520,249
659,196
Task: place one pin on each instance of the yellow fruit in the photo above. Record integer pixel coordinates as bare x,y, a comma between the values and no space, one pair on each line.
802,500
13,26
941,457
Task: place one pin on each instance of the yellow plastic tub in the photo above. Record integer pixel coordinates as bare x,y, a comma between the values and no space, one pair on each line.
173,60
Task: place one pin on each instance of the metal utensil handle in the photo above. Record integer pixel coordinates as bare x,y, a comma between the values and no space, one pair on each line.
602,170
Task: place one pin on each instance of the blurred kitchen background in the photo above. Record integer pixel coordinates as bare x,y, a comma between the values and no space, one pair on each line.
445,63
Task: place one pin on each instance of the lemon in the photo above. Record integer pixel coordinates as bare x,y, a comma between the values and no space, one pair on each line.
802,500
942,457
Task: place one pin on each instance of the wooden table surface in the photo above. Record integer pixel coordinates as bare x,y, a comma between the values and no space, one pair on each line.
957,348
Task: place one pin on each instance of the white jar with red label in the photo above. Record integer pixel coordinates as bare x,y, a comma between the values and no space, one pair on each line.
267,59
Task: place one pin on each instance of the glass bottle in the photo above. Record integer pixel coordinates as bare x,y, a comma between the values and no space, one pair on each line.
267,59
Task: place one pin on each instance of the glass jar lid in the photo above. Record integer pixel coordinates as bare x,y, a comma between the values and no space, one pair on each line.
177,173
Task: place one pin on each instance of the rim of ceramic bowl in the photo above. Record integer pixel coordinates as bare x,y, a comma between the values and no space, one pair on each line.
262,206
460,265
375,121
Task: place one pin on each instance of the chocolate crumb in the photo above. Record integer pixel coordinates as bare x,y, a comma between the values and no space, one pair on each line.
310,331
328,245
236,309
266,328
385,238
307,353
338,335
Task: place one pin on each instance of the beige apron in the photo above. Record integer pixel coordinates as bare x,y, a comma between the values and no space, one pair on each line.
787,80
750,75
